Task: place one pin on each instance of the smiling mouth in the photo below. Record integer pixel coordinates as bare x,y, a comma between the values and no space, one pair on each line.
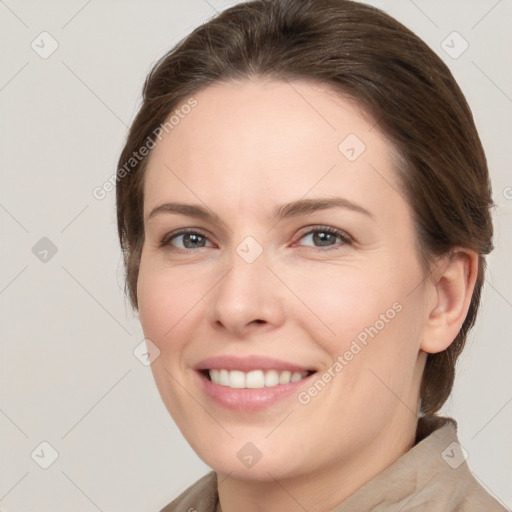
255,379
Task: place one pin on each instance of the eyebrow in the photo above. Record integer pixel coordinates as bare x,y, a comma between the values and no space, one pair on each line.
288,210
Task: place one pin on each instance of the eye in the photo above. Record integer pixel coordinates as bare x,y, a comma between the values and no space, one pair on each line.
325,236
190,239
320,236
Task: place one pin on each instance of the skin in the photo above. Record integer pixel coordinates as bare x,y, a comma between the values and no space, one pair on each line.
247,148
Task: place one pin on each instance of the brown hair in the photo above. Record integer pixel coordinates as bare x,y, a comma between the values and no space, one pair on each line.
391,73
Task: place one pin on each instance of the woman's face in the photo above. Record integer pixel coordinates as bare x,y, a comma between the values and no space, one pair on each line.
267,283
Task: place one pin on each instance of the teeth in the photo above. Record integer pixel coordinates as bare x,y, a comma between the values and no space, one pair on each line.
255,378
295,377
271,378
284,377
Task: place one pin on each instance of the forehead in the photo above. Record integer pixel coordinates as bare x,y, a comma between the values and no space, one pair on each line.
271,140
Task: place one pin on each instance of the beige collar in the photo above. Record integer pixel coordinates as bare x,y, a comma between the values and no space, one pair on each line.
433,475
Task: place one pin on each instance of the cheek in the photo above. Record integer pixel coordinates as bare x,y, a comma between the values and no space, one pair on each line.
165,298
154,306
166,309
368,317
343,300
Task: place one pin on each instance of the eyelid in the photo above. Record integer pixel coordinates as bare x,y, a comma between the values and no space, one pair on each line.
165,241
306,230
343,235
319,227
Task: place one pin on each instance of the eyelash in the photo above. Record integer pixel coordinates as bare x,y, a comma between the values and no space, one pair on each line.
345,238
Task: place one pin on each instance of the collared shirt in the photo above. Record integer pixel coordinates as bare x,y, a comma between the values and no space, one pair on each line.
432,476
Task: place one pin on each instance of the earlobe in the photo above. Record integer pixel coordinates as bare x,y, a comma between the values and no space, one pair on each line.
453,284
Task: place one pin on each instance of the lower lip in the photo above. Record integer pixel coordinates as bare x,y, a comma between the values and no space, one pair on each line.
247,399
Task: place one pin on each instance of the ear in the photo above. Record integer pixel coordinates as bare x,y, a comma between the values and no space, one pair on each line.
453,282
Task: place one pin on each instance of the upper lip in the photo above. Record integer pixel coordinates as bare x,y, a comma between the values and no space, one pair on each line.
248,363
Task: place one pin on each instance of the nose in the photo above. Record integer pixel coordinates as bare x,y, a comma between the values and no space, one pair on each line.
248,296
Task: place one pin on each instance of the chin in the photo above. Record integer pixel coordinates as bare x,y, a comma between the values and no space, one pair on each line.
245,460
260,472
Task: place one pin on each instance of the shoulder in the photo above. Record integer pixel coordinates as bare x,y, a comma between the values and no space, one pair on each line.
466,492
199,497
478,499
451,485
432,476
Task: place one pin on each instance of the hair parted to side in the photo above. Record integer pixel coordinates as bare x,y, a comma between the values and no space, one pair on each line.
370,57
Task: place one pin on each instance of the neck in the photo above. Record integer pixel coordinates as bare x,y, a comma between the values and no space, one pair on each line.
326,487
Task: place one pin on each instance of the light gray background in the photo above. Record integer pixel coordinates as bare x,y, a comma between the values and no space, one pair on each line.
68,373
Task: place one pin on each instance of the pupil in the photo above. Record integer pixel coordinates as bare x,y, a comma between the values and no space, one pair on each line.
191,237
322,237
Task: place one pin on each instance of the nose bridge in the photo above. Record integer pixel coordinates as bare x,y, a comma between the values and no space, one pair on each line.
246,256
248,275
247,291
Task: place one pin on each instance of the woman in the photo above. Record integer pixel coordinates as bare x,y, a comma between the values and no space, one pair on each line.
303,205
